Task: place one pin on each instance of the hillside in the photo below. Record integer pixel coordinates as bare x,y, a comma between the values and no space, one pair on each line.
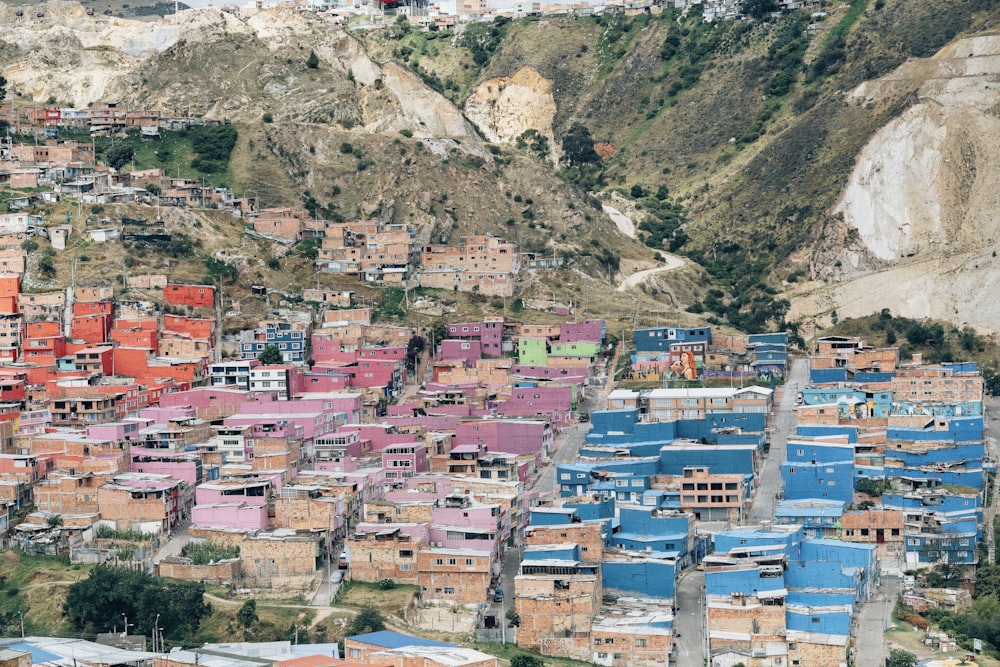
786,161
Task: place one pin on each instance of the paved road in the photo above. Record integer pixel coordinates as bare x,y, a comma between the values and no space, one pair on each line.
873,621
174,545
769,481
690,620
991,407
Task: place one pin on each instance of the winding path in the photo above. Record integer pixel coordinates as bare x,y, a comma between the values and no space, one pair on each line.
627,227
671,262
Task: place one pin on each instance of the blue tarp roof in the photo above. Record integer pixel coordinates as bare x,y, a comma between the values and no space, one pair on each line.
37,654
387,639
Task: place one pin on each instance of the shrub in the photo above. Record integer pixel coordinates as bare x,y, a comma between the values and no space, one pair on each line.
267,117
312,62
406,133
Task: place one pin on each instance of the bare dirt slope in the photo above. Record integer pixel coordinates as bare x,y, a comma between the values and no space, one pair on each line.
916,227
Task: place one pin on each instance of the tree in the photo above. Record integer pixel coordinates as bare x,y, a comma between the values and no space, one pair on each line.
312,62
96,604
525,660
759,8
368,620
120,155
900,658
270,355
988,581
578,146
247,615
46,266
153,189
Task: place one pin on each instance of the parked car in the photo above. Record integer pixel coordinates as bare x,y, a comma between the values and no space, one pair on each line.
337,576
584,416
498,595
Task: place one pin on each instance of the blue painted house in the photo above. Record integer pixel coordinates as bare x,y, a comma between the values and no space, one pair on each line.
818,469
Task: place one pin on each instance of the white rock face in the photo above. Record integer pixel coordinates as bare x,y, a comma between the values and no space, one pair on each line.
81,60
923,198
504,108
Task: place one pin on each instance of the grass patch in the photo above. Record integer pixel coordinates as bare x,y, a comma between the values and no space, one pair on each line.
390,602
391,305
36,586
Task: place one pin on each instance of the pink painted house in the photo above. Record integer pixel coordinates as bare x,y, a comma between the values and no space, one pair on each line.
577,376
208,402
327,381
252,490
403,460
164,415
116,431
183,466
516,436
233,515
349,404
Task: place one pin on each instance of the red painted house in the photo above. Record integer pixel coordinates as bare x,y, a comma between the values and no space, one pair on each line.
195,327
135,337
202,296
43,351
90,328
43,329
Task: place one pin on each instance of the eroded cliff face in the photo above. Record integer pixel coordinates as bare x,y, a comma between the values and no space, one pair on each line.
504,108
916,228
214,64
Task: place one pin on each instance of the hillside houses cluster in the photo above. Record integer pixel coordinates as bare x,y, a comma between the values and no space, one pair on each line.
883,473
389,253
675,353
122,419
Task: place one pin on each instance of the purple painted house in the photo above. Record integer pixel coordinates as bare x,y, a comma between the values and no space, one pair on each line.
466,351
489,333
553,401
590,331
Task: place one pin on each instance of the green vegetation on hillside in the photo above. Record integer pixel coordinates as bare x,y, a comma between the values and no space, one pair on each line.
98,603
200,154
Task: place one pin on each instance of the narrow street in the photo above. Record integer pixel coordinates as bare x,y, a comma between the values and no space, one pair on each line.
769,480
873,621
690,619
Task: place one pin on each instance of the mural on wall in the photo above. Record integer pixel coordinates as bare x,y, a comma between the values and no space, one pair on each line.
687,361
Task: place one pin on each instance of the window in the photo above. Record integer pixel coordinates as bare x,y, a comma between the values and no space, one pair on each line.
448,590
641,642
451,561
470,561
618,656
439,561
406,553
406,567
